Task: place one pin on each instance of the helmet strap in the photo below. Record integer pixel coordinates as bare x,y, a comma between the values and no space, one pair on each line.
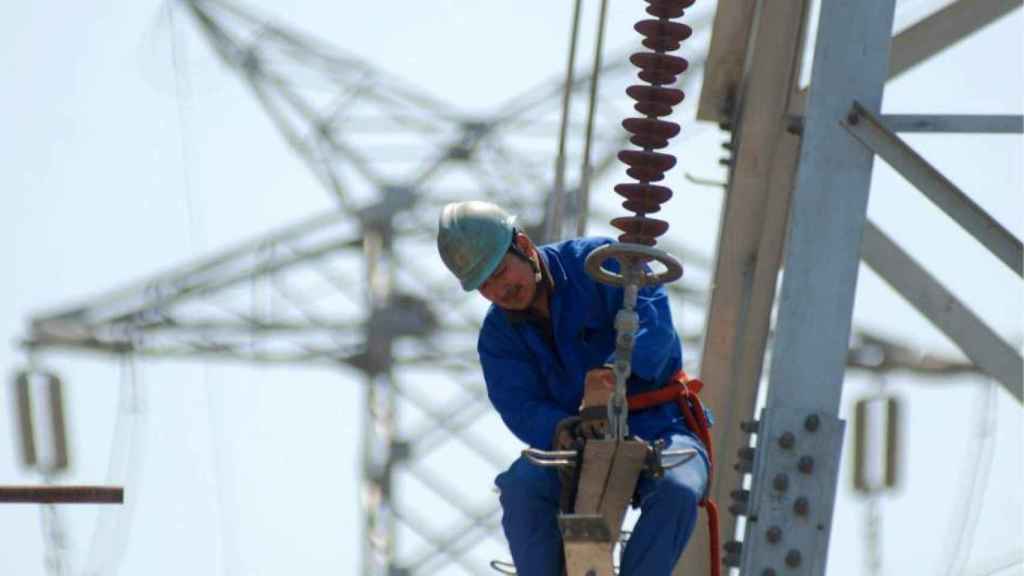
537,276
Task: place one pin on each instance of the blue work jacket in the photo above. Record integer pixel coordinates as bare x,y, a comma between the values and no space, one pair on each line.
533,385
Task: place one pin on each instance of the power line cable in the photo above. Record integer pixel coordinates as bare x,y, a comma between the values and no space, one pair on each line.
110,535
965,522
1001,566
196,241
182,98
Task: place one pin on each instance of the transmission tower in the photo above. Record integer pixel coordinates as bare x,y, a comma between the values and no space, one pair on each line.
360,288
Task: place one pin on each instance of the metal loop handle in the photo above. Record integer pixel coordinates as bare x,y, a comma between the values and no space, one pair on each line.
596,259
686,453
551,458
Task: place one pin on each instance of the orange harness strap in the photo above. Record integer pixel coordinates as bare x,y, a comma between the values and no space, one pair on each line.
683,390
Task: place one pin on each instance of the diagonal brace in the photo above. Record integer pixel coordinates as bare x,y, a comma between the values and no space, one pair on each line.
979,342
870,131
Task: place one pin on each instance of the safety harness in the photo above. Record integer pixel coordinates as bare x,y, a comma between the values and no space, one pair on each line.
683,390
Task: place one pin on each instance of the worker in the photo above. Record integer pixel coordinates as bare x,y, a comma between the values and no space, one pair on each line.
549,332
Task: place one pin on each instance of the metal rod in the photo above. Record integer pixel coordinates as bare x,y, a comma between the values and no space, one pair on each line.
944,28
583,194
980,343
61,494
960,123
551,459
549,454
553,226
870,131
687,455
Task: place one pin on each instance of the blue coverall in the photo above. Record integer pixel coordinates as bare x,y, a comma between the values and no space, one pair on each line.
533,386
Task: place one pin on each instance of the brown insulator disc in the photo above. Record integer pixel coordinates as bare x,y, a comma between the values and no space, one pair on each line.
660,69
662,35
651,61
639,229
659,94
635,239
650,160
657,77
668,8
648,108
643,198
651,127
647,166
646,174
649,142
654,100
650,133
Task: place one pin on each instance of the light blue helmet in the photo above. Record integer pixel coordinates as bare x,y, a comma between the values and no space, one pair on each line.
472,238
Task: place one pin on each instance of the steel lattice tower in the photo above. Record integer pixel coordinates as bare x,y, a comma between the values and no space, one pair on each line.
291,296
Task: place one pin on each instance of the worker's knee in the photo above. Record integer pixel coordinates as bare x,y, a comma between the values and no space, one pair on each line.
525,485
680,496
681,488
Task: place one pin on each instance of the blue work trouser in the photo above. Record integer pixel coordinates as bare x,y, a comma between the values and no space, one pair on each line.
668,511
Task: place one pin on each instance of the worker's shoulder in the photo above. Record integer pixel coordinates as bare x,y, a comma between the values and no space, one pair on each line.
495,327
579,244
576,248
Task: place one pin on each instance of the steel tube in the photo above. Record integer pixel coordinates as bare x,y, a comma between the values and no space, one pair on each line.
61,494
960,123
873,134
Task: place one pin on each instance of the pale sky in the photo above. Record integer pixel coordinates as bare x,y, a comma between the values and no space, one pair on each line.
112,172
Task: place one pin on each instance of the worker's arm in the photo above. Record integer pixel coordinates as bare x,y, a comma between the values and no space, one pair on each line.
516,390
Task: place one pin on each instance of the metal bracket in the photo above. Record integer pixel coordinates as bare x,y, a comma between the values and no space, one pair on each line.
795,474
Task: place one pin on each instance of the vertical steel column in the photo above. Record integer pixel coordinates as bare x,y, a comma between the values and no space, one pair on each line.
750,242
381,402
800,436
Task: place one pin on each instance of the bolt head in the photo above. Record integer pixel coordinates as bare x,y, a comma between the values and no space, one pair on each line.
806,464
738,509
787,440
780,482
768,572
793,558
812,423
774,534
802,507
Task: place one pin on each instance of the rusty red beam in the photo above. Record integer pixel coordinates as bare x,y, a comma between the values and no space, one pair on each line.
61,494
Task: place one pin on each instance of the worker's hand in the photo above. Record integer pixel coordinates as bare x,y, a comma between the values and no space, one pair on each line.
594,422
598,387
566,433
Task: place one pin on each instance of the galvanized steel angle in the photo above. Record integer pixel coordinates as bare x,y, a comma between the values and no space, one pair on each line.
779,488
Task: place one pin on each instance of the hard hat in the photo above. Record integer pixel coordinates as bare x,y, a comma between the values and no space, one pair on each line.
472,238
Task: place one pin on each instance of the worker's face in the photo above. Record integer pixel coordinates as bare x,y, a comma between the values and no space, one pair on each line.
512,285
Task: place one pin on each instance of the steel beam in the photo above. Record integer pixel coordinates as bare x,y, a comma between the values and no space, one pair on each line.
937,32
943,29
733,26
979,342
869,129
960,123
828,211
829,205
61,495
751,237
